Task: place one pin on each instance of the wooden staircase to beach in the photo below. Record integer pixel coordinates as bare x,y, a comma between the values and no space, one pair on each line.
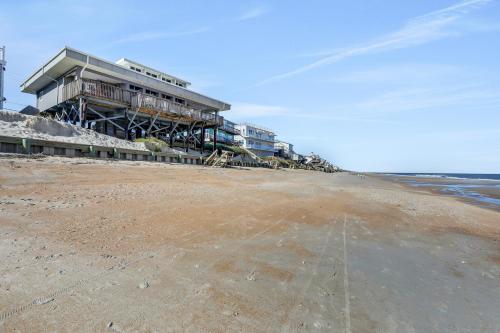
222,161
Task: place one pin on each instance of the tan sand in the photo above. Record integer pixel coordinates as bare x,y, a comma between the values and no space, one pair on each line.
93,246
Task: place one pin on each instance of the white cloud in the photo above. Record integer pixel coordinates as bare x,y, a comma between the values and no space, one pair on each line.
247,110
419,30
349,118
242,111
402,73
477,97
151,35
253,13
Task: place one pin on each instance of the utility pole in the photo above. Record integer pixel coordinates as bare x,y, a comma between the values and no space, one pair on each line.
2,70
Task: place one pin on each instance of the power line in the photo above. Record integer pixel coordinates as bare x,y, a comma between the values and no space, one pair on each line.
15,103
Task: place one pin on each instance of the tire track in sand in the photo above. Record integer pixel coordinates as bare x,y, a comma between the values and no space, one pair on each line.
302,294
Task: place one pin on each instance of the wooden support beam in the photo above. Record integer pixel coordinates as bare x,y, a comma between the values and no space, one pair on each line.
126,130
108,118
170,134
102,116
80,111
202,139
215,137
152,124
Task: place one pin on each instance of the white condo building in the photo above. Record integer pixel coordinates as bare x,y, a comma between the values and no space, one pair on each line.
284,149
258,139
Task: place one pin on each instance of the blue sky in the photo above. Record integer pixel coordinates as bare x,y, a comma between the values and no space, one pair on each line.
371,85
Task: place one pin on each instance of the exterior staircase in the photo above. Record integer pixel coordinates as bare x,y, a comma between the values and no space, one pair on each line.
222,161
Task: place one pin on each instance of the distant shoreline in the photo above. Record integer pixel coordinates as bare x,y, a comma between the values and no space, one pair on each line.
464,176
478,189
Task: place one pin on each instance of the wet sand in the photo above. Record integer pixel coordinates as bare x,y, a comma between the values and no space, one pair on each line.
485,193
138,247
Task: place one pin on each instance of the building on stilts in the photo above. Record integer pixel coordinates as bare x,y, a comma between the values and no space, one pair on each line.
124,99
226,133
258,139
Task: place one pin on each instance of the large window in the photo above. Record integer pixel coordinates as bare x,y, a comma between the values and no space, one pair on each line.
151,92
135,88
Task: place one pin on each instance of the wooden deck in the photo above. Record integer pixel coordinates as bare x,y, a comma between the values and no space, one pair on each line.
135,101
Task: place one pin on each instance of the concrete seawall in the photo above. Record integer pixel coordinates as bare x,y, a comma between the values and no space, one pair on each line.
18,145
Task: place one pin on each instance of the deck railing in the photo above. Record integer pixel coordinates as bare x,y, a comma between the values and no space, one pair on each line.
220,139
96,89
260,147
140,100
260,136
229,126
101,90
258,127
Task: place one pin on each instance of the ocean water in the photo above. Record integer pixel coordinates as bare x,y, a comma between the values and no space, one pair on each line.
477,176
482,189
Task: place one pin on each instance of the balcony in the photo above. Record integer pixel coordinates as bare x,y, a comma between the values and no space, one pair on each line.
260,136
209,137
259,147
100,90
137,101
153,105
229,127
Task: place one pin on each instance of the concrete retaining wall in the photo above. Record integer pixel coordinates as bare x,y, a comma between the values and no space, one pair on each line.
15,145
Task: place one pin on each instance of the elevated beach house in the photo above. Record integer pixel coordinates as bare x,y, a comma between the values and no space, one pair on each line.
124,99
226,133
258,139
284,149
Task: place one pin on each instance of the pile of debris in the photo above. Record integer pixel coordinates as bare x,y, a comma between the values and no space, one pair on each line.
277,163
244,157
315,162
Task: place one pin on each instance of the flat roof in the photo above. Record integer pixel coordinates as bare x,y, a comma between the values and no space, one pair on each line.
262,128
132,62
69,58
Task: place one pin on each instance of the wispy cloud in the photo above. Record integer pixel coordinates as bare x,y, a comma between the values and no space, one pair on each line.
247,110
354,118
251,111
253,13
417,31
403,74
468,98
153,35
478,97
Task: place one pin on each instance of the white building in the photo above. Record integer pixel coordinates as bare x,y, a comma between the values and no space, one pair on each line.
258,139
284,149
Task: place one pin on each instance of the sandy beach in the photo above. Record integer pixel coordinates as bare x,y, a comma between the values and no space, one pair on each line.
103,246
